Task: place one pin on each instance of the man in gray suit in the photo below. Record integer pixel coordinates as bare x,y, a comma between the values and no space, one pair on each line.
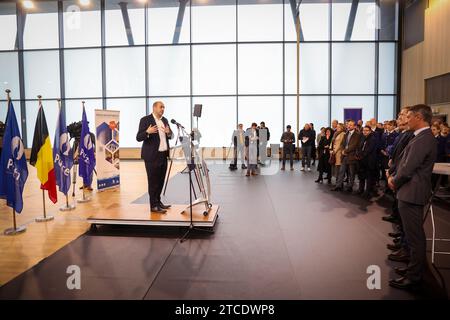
412,182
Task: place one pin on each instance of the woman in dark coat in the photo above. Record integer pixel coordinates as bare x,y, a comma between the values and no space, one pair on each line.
367,155
323,152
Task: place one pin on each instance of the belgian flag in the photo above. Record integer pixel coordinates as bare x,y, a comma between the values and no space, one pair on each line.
42,156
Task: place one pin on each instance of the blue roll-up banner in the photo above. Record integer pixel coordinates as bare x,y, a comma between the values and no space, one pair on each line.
107,123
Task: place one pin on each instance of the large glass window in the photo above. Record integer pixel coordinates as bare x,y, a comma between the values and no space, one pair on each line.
365,103
354,25
387,68
314,21
260,69
41,26
8,25
83,73
74,111
218,120
82,24
260,20
314,68
313,109
168,22
124,23
257,109
125,72
353,68
178,109
214,69
169,70
236,57
386,108
213,22
131,112
9,73
42,74
51,108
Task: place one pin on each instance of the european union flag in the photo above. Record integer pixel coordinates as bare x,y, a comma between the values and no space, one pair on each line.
86,158
13,164
62,154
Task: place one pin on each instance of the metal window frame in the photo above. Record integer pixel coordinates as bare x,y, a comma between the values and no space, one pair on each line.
61,49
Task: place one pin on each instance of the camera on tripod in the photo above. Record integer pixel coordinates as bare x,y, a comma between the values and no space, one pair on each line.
2,129
74,130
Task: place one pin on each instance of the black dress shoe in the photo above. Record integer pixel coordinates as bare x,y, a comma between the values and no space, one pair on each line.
394,247
391,219
404,283
399,256
243,166
164,206
401,271
395,234
366,195
319,180
158,209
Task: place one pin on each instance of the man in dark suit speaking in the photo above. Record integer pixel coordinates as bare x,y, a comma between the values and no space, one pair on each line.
155,132
412,181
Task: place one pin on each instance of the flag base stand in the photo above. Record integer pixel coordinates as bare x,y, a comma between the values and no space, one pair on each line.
44,218
84,199
67,207
14,231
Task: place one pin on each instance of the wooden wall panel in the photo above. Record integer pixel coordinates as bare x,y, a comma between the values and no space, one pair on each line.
413,84
437,39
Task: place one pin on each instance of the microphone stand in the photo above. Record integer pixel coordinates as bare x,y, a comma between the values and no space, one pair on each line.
171,159
166,182
191,167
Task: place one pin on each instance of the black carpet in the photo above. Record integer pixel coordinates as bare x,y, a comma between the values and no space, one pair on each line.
279,236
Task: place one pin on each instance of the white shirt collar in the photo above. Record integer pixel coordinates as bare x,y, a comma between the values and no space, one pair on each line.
420,130
156,118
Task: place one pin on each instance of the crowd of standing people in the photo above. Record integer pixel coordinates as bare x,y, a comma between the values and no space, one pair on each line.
395,158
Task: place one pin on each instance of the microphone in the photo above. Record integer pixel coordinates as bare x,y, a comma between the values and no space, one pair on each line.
176,123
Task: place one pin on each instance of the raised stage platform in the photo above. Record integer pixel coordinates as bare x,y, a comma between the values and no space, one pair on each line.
138,214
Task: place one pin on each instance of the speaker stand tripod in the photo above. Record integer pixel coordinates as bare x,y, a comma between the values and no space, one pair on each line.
191,167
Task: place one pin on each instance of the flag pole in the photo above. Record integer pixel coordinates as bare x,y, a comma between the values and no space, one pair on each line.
84,199
14,230
43,218
67,206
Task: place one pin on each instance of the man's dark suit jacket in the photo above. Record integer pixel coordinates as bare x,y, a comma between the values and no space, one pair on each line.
368,153
150,146
413,177
399,145
353,145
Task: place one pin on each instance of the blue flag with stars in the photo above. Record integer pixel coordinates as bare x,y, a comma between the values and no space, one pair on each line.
13,164
62,154
86,158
